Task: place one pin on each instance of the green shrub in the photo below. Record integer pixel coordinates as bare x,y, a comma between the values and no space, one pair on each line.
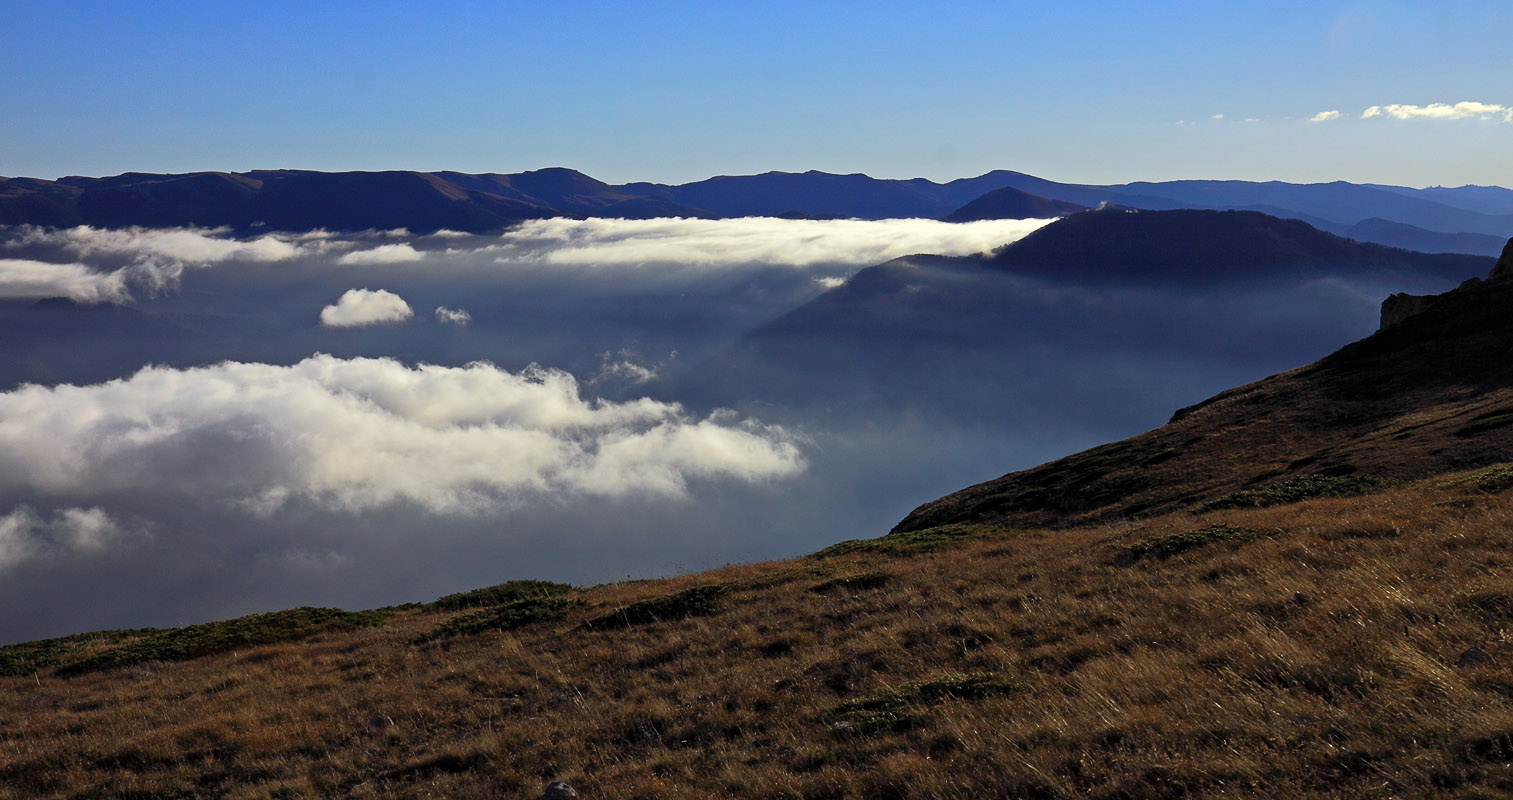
694,601
913,541
853,583
1307,487
507,617
197,641
500,595
1174,543
892,710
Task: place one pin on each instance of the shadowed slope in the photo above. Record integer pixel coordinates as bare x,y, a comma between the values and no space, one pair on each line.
1431,395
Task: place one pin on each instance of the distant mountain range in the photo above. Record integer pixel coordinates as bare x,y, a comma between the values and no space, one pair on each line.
1468,219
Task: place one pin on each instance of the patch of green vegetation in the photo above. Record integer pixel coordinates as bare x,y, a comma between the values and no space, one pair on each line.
854,583
695,601
1307,487
28,658
508,617
913,541
892,710
1499,418
1174,543
197,641
1493,479
502,594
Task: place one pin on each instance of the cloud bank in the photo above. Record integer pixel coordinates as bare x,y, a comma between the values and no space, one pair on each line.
1462,110
383,254
353,435
752,240
77,282
359,308
183,245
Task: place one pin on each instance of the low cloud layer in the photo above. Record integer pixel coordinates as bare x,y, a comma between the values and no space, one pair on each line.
752,240
383,254
186,245
1462,110
360,308
353,435
77,282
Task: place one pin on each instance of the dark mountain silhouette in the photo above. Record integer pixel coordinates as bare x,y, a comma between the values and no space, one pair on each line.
1438,219
1011,203
1428,395
1192,247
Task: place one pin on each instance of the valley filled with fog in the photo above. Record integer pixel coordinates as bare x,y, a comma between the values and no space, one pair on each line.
195,425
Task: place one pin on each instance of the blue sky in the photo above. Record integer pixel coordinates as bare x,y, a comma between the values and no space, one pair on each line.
672,91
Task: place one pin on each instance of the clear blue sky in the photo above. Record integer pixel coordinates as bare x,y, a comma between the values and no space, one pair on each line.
674,91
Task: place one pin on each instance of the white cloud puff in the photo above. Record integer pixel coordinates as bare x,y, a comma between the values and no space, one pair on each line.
752,240
184,245
1325,116
1462,110
401,253
77,282
25,535
359,308
453,316
358,434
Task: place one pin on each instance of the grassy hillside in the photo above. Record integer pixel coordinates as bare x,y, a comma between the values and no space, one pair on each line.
1299,650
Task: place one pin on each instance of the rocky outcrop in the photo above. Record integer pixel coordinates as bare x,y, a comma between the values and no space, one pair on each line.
1401,306
1504,269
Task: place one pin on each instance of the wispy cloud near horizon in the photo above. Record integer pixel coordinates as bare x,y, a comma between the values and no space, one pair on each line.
1442,111
752,240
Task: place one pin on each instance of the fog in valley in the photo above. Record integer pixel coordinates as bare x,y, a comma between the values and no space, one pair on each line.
195,426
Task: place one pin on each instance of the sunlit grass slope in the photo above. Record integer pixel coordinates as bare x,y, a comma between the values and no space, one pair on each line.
1304,649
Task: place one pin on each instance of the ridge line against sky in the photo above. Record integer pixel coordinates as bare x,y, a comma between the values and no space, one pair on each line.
673,92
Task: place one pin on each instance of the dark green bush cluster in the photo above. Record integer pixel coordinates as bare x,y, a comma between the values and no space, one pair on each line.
1307,487
1174,543
1500,418
912,541
507,617
694,601
1493,479
853,583
196,641
28,658
500,595
892,710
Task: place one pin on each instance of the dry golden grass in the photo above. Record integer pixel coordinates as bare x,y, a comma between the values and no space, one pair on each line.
1315,658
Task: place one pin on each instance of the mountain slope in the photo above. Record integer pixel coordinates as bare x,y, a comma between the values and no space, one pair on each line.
1011,203
1429,395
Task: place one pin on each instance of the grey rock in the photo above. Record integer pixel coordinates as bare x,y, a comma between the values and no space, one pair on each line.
1504,268
557,790
1402,305
1474,657
380,723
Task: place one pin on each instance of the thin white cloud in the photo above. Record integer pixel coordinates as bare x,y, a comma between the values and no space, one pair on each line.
453,316
1217,117
1462,110
751,240
77,282
25,535
359,308
357,434
1325,116
184,245
831,282
401,253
